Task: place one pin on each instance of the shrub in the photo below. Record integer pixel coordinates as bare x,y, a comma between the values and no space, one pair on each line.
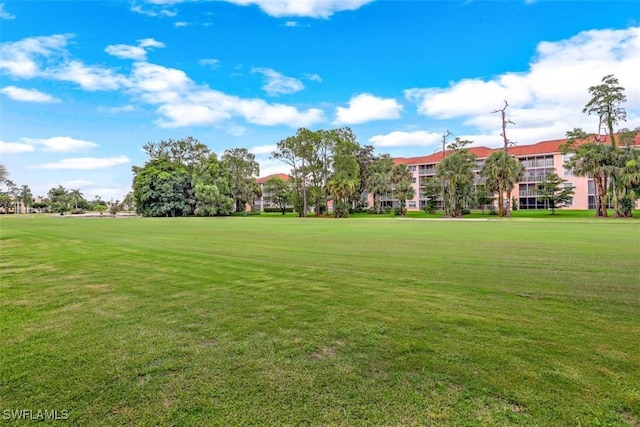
77,211
248,213
276,210
341,210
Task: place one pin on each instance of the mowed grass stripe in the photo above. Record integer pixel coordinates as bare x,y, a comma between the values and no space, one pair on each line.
262,321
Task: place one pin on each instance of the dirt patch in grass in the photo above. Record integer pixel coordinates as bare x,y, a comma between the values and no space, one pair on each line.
324,353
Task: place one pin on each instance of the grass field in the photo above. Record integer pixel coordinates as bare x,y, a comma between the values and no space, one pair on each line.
258,321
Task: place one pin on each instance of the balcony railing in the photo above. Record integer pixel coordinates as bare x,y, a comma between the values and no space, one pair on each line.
534,178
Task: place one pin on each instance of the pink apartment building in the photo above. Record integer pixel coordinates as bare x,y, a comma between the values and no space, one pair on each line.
264,201
538,160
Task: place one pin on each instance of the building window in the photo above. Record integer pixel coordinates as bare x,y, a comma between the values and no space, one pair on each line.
412,204
565,159
568,186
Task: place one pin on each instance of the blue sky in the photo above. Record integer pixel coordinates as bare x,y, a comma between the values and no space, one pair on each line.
84,84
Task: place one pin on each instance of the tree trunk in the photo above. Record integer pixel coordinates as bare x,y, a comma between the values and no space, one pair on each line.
304,192
601,208
500,198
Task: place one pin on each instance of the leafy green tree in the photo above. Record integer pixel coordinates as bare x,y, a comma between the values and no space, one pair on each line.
606,102
243,170
5,201
501,172
13,191
163,188
343,185
188,152
366,158
213,189
279,192
59,197
294,151
554,192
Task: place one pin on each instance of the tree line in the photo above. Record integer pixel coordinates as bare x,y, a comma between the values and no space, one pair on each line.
184,177
329,168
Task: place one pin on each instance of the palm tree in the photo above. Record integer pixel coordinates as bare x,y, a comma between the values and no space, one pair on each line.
400,173
76,195
501,172
26,197
341,189
625,181
404,191
379,184
594,160
456,174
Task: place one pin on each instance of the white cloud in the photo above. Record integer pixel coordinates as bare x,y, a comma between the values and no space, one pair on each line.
15,147
4,14
313,77
137,53
24,58
180,24
89,77
263,149
62,144
155,11
85,163
259,112
366,107
179,101
212,63
310,8
183,103
546,100
78,183
277,83
107,193
125,51
291,24
158,83
270,166
406,139
145,43
114,110
181,115
27,95
47,57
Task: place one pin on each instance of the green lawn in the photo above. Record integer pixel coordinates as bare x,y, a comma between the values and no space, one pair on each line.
258,321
